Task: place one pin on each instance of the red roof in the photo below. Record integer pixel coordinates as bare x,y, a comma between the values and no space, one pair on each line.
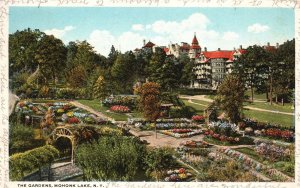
195,43
149,45
242,51
219,54
166,50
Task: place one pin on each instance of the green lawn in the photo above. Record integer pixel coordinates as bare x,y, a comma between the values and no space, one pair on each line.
199,109
96,105
201,102
284,120
256,95
275,107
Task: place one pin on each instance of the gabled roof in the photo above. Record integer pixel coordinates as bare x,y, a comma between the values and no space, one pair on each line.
149,45
219,54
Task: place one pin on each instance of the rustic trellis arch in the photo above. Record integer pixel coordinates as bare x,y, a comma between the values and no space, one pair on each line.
65,132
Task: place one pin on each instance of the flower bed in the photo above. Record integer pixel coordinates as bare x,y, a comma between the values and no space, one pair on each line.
242,158
181,133
26,107
268,130
125,100
198,118
271,150
119,109
194,144
247,161
175,125
178,175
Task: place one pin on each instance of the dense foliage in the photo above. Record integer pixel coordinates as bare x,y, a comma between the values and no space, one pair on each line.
21,164
111,158
21,138
157,161
230,97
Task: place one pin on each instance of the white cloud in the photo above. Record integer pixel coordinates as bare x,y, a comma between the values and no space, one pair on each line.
102,40
162,33
137,27
59,33
258,28
194,23
230,36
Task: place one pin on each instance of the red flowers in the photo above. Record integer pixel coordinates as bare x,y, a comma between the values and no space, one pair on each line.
198,118
73,120
277,133
120,109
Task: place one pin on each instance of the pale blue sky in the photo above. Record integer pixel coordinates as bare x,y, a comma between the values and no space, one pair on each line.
127,27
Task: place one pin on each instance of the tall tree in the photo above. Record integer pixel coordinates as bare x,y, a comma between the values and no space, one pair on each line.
123,72
100,89
150,101
247,66
187,71
230,97
51,57
22,49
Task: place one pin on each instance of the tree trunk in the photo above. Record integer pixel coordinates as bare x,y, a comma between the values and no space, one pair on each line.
276,99
271,88
252,92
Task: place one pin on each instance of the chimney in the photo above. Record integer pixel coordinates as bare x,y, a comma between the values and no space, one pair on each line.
219,49
241,47
277,45
268,44
205,49
234,49
144,41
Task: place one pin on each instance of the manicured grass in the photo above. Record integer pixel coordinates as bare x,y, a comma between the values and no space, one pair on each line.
217,142
201,102
275,107
273,118
256,95
199,108
96,105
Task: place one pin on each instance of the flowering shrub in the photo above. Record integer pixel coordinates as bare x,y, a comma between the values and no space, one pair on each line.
198,118
119,109
73,120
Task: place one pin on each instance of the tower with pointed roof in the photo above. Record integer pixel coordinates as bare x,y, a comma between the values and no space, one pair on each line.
195,48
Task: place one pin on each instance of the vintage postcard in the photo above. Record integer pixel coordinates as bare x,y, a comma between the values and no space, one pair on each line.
149,94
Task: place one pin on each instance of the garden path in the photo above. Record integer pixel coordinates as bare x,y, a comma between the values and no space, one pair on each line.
202,97
162,140
99,114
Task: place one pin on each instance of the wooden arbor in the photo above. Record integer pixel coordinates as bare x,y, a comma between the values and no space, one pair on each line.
67,132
